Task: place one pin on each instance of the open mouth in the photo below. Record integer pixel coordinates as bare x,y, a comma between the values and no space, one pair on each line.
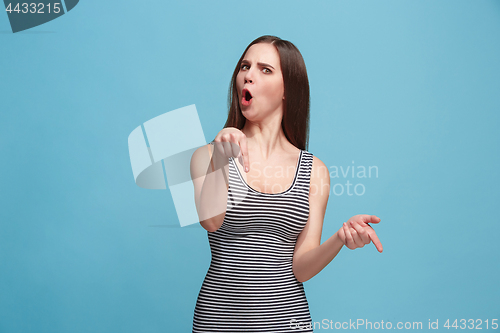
246,98
248,95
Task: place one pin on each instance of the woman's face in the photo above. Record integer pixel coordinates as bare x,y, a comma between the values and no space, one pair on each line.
260,82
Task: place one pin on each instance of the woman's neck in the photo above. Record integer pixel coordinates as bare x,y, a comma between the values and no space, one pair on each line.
267,138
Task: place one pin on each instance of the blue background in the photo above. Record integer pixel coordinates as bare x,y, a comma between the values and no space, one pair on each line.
411,87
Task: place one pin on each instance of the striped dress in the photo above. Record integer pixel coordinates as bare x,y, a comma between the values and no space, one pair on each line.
250,285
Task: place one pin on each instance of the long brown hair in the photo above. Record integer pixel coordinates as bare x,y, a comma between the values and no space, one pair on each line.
295,121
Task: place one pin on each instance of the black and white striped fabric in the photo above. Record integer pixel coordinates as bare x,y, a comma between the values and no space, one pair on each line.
250,285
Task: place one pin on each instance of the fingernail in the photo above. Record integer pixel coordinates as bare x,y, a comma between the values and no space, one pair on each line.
246,169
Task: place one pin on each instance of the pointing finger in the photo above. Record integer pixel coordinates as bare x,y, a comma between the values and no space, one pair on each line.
244,153
376,241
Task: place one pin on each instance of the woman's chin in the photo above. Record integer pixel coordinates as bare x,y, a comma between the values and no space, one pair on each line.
247,113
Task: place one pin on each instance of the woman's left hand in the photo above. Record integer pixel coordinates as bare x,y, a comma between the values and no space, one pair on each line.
356,232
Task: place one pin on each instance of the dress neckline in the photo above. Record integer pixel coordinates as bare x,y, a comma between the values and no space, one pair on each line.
299,162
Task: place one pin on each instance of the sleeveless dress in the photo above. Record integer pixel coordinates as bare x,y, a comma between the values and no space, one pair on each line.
250,285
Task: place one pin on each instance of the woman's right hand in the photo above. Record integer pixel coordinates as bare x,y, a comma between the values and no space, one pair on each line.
356,232
231,142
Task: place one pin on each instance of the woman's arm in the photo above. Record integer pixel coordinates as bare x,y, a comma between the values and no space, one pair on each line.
209,169
210,186
310,257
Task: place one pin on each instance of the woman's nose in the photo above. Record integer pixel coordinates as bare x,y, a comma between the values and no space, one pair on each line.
248,77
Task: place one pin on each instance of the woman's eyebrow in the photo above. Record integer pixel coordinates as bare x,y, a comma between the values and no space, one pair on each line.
262,64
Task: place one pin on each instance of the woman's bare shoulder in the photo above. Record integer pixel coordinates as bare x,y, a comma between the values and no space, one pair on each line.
320,170
202,152
200,159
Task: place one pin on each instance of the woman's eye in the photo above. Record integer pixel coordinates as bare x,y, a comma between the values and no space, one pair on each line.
244,66
267,70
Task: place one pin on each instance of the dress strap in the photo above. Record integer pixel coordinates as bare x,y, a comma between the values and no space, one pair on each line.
304,177
307,165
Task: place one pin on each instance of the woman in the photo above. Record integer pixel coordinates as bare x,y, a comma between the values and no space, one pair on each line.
264,224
